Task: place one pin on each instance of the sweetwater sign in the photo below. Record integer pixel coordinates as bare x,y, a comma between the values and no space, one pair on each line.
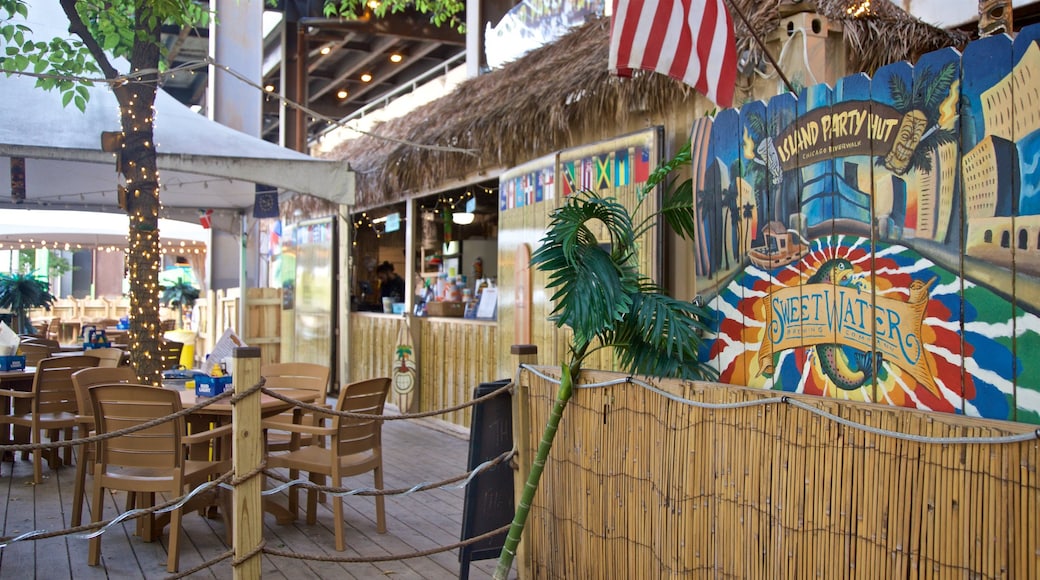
880,241
824,315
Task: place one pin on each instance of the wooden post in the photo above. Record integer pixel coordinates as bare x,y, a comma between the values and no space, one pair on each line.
246,450
527,355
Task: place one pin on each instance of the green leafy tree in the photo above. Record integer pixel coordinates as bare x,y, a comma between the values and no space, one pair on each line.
102,34
441,12
600,294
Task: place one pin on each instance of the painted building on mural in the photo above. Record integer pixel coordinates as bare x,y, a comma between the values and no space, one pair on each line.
858,282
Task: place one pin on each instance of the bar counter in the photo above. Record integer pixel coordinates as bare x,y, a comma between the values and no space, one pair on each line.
453,356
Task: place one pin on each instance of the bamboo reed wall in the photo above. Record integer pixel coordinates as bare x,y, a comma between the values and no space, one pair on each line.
641,486
373,338
455,356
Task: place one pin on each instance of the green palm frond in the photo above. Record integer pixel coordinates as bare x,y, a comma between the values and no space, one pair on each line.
20,293
662,337
679,209
178,294
938,86
602,297
591,282
902,99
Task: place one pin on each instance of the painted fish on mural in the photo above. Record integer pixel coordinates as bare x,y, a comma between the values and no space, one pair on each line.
848,367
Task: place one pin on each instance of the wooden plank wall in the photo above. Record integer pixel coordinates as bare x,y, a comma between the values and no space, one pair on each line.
642,486
264,324
218,311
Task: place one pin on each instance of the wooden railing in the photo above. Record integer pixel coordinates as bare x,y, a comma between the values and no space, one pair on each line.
639,485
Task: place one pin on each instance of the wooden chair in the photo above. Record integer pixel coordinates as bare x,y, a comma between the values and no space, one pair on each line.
34,352
107,357
54,329
54,407
170,353
355,448
148,461
313,377
48,342
82,380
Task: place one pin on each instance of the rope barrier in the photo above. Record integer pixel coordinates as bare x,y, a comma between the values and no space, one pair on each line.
369,491
223,482
389,558
244,478
140,427
333,412
787,400
212,561
257,550
104,525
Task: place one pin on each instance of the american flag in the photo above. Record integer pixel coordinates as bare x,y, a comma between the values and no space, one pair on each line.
688,40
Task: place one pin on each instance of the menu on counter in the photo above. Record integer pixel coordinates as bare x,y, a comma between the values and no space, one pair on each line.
488,302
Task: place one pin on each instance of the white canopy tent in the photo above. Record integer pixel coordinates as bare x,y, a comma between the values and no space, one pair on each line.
199,160
30,228
202,164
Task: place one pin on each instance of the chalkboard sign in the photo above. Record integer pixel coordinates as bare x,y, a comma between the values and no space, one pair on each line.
489,496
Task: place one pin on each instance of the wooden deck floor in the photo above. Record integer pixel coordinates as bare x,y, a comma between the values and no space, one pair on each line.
416,452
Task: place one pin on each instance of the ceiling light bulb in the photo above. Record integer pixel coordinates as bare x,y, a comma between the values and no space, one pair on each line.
342,94
366,78
396,57
325,50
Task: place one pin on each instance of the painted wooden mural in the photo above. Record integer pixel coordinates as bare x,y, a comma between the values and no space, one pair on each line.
880,240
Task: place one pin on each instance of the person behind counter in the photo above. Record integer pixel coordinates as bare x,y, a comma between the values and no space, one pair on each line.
390,284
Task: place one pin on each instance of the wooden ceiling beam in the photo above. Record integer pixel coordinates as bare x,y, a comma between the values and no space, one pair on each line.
406,25
384,71
356,66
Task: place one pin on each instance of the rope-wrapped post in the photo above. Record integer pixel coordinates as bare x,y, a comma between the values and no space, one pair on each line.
247,451
527,354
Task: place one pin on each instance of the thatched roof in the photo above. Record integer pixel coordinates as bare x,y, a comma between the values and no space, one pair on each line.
529,107
883,35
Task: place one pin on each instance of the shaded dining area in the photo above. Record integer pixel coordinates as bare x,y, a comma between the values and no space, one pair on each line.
415,451
154,444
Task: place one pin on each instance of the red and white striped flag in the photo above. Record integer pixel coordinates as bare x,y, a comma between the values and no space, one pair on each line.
688,40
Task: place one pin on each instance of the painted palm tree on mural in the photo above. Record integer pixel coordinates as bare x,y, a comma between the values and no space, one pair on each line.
601,295
927,110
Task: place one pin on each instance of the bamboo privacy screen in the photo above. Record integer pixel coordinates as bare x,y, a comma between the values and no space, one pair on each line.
641,486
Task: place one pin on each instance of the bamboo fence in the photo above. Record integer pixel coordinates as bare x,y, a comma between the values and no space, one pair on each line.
639,485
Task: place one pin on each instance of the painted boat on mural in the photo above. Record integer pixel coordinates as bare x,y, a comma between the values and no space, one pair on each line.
783,246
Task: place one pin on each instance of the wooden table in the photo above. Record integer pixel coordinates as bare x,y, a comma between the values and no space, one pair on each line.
221,410
219,413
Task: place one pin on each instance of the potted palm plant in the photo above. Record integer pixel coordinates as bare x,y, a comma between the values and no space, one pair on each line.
600,294
20,293
180,295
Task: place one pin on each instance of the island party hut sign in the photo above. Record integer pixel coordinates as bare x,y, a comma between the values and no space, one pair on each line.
880,241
